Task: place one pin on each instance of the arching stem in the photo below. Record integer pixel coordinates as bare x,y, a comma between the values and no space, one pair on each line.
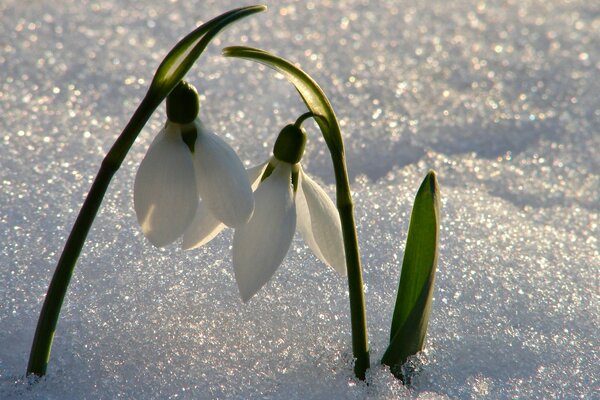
320,107
170,72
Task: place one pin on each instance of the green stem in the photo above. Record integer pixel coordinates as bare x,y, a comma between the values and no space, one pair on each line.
304,117
358,316
44,333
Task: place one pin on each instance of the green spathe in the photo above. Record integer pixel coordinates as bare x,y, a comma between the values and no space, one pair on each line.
183,103
181,58
289,146
415,290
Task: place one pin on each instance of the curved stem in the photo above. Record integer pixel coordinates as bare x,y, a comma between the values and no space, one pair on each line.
304,117
358,316
169,73
44,333
319,105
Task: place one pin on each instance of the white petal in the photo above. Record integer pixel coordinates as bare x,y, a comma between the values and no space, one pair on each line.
203,228
164,194
222,181
255,173
260,246
319,224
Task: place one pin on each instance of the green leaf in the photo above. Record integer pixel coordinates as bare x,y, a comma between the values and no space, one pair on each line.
181,58
415,291
309,90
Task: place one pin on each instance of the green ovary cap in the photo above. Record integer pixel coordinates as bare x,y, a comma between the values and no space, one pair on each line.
183,103
289,146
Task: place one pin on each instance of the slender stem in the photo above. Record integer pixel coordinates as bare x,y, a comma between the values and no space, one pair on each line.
358,316
170,72
304,117
44,333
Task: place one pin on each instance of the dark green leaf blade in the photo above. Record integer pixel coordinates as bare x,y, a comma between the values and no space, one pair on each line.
415,291
181,58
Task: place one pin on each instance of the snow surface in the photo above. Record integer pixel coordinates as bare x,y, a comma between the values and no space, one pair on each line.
501,98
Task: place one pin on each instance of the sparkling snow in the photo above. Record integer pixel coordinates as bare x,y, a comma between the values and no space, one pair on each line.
501,98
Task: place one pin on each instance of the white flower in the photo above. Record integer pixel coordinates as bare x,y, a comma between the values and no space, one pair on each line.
171,178
287,198
260,246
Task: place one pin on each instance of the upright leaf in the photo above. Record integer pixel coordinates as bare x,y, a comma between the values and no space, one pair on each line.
415,290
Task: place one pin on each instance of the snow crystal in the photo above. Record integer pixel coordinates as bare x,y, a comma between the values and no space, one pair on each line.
500,98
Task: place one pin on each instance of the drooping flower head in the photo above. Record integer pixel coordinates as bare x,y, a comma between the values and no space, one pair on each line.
186,163
286,198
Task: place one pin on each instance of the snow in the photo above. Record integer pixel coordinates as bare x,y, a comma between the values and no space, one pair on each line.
501,98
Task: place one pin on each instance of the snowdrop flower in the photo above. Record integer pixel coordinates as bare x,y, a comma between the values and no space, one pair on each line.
184,163
286,198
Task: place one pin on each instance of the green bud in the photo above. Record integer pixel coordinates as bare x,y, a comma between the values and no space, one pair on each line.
289,146
183,103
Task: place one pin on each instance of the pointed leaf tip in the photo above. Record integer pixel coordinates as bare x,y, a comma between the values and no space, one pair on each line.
431,181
